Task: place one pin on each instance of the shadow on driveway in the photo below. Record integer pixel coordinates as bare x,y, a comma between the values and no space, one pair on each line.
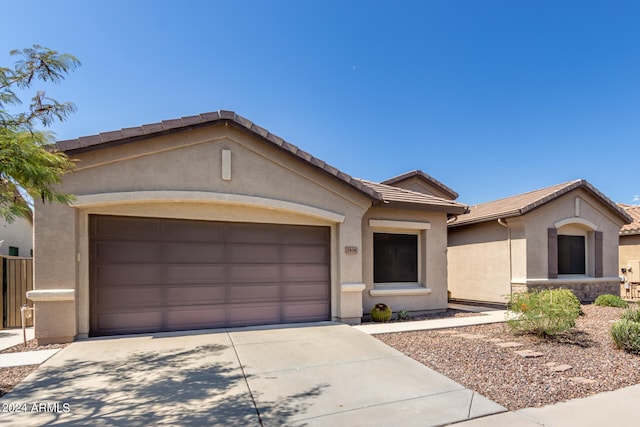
145,381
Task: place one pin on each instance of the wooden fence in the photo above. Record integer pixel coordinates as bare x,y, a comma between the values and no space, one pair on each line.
17,279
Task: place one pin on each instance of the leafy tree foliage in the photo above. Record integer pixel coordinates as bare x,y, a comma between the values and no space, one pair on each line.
29,166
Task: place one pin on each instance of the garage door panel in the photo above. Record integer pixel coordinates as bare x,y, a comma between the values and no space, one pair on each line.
252,233
295,234
139,321
242,273
299,312
193,252
254,314
192,231
194,273
124,228
254,293
149,274
129,252
306,254
196,295
246,253
301,291
128,274
130,297
305,273
197,317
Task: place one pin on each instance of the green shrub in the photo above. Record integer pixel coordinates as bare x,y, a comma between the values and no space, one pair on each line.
543,313
631,314
626,335
404,315
609,300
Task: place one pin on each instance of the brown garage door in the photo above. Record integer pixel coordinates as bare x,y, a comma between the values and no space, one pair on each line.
151,274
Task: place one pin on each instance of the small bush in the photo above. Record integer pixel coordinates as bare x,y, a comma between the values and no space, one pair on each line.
544,313
404,315
626,335
609,300
631,314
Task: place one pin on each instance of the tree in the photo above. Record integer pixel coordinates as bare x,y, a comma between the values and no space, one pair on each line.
30,168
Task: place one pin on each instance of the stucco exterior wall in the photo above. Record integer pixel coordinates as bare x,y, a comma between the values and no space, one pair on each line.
431,291
19,234
539,220
630,251
180,176
488,261
478,262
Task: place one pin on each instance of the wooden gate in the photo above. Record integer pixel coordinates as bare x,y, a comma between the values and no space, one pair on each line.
17,279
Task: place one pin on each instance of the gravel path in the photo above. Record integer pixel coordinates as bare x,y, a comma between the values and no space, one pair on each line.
577,364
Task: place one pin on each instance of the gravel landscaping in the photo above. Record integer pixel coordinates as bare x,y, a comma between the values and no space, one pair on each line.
9,377
576,364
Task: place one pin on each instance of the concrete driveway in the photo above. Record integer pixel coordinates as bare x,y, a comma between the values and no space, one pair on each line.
321,374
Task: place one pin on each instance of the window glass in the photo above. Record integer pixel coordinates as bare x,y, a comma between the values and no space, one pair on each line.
395,258
571,255
14,251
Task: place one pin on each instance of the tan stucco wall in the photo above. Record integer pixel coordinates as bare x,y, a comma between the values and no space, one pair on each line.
478,262
538,221
108,181
432,262
630,251
18,233
478,255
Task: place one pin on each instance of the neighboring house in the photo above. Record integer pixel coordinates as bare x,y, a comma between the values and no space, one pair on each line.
16,237
211,221
561,236
630,252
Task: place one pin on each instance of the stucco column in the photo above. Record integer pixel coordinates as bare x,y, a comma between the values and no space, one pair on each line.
54,274
350,270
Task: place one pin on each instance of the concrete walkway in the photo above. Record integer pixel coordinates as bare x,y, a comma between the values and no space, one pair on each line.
323,374
489,315
12,337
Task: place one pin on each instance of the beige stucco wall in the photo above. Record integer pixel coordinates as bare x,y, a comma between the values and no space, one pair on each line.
432,263
630,251
481,269
18,233
179,176
478,262
538,221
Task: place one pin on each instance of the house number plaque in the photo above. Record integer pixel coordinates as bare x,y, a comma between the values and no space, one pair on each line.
351,250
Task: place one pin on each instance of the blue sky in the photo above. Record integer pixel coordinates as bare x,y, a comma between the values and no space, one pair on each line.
493,98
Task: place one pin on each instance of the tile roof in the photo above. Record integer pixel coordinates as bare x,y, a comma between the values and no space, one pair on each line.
522,203
634,227
420,174
127,135
397,195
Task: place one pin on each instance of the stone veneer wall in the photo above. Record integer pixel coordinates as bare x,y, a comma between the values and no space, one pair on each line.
586,292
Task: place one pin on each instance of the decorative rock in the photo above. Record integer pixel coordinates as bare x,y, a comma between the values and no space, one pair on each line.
471,336
561,368
448,333
494,340
509,344
582,380
529,353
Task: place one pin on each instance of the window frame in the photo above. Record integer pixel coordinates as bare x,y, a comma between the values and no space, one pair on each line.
416,268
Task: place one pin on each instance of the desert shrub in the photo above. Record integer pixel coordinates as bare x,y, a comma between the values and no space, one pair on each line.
626,335
543,313
631,314
609,300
